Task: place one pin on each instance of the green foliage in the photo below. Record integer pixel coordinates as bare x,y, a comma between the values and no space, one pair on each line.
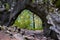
24,21
7,6
56,3
38,28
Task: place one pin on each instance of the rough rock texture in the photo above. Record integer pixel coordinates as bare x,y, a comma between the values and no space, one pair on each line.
23,34
4,36
54,20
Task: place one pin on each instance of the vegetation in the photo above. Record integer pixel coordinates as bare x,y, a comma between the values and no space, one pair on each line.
25,20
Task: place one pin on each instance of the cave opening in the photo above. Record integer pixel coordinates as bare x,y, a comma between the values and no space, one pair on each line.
28,20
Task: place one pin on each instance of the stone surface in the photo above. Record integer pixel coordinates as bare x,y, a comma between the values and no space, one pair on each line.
54,20
24,34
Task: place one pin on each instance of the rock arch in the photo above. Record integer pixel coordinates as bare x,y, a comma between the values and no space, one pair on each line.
19,7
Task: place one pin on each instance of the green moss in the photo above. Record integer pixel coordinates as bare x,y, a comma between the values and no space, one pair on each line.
7,6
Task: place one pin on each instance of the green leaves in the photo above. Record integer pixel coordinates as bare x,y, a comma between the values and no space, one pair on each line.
57,3
25,20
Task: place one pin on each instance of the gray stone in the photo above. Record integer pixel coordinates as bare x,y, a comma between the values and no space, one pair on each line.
54,20
18,36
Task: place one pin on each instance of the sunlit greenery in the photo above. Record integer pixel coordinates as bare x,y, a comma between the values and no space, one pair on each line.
25,20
